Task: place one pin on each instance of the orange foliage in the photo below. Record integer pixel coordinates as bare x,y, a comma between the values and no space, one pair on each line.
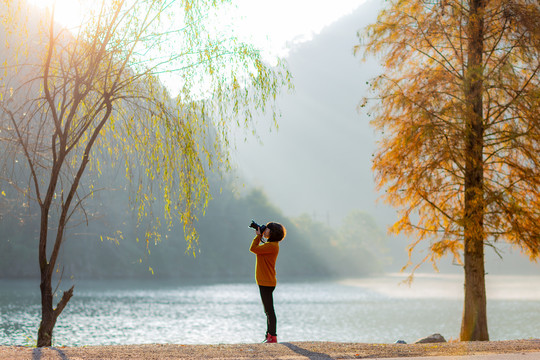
420,108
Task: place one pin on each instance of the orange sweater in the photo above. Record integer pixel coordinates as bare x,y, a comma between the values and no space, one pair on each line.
265,266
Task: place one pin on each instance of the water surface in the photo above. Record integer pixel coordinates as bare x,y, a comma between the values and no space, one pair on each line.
376,310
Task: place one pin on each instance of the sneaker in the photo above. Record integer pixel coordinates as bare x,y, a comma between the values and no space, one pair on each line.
270,339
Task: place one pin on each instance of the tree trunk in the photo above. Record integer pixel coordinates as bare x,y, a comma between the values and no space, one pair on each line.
474,322
49,315
48,318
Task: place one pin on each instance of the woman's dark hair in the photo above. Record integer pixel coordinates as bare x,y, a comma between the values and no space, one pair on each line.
277,231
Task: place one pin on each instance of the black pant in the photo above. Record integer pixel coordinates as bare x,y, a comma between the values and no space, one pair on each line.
268,303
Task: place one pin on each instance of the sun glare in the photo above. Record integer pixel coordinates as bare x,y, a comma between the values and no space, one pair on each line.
69,13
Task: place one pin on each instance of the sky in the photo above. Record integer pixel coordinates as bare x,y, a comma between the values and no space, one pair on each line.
278,24
272,25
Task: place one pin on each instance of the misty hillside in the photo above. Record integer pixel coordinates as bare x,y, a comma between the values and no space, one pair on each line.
108,247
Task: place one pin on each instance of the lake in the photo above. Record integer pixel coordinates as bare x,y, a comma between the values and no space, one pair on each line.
374,310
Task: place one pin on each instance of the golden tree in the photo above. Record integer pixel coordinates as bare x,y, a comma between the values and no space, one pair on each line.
458,107
74,98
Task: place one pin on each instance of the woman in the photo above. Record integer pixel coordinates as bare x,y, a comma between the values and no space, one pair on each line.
265,271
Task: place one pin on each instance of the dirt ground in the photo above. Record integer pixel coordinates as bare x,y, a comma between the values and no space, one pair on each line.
296,350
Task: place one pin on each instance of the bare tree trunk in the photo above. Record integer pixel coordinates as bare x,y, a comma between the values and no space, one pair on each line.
49,315
48,320
474,323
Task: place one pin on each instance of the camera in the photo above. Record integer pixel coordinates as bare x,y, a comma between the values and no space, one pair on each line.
256,226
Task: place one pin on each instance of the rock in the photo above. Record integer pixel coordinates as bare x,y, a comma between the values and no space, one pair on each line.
401,342
434,338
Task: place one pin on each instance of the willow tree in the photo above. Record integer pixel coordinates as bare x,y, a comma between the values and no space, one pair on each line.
71,99
458,110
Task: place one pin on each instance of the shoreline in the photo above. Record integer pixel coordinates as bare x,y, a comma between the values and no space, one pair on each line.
284,350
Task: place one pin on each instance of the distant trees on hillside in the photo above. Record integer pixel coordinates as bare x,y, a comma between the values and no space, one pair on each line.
105,247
